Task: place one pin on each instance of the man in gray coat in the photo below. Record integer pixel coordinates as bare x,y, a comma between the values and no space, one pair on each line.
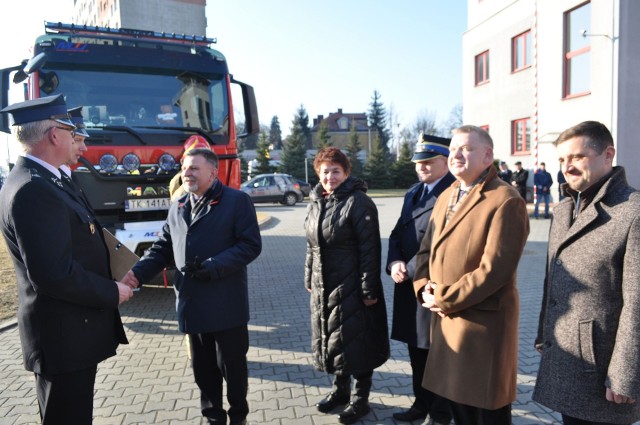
589,331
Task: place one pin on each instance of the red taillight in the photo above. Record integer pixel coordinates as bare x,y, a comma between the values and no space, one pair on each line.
296,185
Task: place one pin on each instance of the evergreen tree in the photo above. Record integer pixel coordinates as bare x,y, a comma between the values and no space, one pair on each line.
403,170
377,169
302,119
263,157
352,148
324,139
275,134
294,151
244,164
377,117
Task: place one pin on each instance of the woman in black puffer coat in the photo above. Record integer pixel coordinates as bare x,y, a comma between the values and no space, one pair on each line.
342,273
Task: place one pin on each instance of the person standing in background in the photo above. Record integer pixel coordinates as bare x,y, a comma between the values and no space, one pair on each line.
543,181
561,181
75,114
411,322
519,180
505,173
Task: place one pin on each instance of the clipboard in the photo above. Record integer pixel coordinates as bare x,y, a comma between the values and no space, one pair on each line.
121,258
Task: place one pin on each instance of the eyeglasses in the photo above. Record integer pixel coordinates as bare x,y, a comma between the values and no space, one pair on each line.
70,130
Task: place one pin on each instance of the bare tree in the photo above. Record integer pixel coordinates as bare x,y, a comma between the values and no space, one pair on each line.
425,122
454,121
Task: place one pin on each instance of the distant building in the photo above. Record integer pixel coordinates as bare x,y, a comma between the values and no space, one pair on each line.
171,16
533,68
339,125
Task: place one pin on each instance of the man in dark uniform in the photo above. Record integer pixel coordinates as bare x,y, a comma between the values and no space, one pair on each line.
68,316
212,234
519,180
79,147
410,321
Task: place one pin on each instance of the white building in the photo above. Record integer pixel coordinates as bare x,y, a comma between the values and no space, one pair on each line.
171,16
533,68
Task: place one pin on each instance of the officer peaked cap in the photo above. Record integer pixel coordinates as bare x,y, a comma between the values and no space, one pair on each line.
44,108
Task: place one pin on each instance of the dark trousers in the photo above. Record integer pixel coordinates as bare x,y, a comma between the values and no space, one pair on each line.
569,420
426,401
66,398
470,415
216,356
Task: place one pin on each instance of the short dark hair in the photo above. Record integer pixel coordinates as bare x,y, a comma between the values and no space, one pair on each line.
597,134
333,155
209,155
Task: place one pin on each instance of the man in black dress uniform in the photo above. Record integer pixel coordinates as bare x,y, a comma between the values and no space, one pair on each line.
68,316
410,321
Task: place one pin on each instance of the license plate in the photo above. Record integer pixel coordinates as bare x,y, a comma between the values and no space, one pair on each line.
147,204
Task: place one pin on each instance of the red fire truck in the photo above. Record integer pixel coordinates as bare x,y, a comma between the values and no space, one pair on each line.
144,94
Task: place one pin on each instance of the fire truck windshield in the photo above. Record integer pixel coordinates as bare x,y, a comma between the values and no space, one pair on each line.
142,99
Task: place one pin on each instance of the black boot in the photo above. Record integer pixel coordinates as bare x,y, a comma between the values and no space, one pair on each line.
358,407
338,396
355,410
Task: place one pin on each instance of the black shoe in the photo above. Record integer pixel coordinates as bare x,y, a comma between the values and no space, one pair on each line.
242,422
410,415
355,410
332,401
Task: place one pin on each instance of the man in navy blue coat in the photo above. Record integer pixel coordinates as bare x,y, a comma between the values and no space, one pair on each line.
410,321
542,181
212,234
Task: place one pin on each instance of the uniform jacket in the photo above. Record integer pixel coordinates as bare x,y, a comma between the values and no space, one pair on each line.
342,268
521,177
590,319
411,321
225,236
68,304
473,260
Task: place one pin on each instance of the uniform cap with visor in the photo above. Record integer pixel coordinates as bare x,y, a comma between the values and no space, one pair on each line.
42,109
76,119
429,146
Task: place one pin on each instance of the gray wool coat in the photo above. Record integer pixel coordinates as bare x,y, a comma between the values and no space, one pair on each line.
590,320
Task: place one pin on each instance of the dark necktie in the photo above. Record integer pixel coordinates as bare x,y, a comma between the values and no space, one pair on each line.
422,192
425,191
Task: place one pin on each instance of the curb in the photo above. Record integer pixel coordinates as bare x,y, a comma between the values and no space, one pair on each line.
263,218
8,324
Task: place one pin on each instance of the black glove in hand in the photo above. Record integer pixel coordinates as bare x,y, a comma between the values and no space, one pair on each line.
195,270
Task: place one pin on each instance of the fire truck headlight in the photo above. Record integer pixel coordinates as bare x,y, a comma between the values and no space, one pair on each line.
108,163
166,162
130,162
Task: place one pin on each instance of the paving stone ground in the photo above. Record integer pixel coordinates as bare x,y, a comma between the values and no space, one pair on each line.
150,381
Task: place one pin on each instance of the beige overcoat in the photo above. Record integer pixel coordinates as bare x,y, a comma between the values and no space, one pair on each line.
473,259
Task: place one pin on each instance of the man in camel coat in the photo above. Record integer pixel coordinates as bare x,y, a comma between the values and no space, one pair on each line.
466,274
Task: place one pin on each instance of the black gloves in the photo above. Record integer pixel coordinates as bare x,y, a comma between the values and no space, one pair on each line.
195,270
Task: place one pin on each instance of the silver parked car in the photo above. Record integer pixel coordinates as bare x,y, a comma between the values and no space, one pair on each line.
275,187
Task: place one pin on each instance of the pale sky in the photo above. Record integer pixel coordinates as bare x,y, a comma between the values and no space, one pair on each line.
323,55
